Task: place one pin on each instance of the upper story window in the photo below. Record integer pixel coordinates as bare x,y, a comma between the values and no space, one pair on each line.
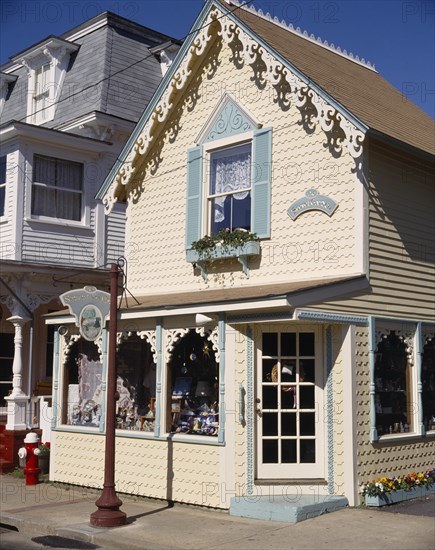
6,83
230,189
46,66
41,94
229,175
2,185
57,188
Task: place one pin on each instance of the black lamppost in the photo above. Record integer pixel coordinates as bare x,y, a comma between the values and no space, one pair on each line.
108,513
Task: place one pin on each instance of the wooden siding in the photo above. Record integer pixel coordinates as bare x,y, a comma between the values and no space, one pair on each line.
401,238
313,246
195,469
53,241
128,92
115,233
16,105
8,247
82,88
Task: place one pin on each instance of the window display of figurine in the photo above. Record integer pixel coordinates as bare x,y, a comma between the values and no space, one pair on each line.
202,420
193,381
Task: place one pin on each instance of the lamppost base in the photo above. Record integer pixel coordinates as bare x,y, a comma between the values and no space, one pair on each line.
108,513
108,518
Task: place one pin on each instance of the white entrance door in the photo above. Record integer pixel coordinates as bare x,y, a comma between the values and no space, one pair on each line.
289,404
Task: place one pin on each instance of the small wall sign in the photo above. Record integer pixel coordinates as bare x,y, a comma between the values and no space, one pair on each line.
312,201
90,308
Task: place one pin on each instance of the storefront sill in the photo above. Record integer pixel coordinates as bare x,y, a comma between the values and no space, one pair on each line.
176,438
78,430
170,437
385,439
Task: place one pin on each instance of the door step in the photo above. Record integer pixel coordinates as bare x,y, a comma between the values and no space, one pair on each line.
288,509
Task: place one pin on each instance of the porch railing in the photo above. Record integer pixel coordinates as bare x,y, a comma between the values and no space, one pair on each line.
40,413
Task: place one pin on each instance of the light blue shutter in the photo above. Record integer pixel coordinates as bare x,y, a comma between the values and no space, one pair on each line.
194,195
261,176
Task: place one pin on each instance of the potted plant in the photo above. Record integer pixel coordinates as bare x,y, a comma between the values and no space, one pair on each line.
238,243
44,457
386,490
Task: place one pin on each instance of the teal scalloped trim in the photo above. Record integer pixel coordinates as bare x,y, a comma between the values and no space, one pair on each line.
229,121
250,412
330,409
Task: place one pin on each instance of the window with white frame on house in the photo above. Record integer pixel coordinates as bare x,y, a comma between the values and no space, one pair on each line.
136,385
193,387
393,383
41,94
83,376
229,185
229,197
57,188
2,185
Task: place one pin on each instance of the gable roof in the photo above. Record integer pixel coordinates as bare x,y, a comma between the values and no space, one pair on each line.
355,90
360,89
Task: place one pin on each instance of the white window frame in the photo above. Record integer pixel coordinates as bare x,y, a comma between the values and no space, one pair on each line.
411,391
208,149
5,81
54,54
41,94
66,190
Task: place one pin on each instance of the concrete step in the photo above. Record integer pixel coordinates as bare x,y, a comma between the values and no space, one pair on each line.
289,509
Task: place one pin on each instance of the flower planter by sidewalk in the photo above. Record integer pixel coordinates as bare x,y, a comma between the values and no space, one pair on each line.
398,496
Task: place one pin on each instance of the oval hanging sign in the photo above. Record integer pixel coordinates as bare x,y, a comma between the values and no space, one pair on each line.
312,201
91,322
90,308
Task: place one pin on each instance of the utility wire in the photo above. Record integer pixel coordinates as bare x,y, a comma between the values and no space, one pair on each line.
127,67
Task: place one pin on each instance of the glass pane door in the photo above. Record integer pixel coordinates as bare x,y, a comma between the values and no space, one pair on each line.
287,403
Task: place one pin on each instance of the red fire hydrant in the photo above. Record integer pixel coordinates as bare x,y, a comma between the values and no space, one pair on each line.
30,452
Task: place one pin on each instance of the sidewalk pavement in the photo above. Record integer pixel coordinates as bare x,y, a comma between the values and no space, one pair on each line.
57,509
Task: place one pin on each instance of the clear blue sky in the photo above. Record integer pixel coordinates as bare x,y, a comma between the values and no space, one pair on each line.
398,36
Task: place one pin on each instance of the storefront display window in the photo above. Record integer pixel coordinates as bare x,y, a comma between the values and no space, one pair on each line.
83,375
193,387
393,385
428,384
136,384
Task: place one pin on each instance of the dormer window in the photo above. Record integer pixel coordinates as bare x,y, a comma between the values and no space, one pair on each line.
6,81
46,66
41,94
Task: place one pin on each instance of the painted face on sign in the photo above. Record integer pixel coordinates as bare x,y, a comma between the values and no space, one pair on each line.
90,322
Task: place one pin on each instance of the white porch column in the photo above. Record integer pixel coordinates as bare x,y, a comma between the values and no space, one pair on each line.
17,401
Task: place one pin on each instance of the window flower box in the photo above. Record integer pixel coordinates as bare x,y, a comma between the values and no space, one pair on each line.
200,256
399,496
